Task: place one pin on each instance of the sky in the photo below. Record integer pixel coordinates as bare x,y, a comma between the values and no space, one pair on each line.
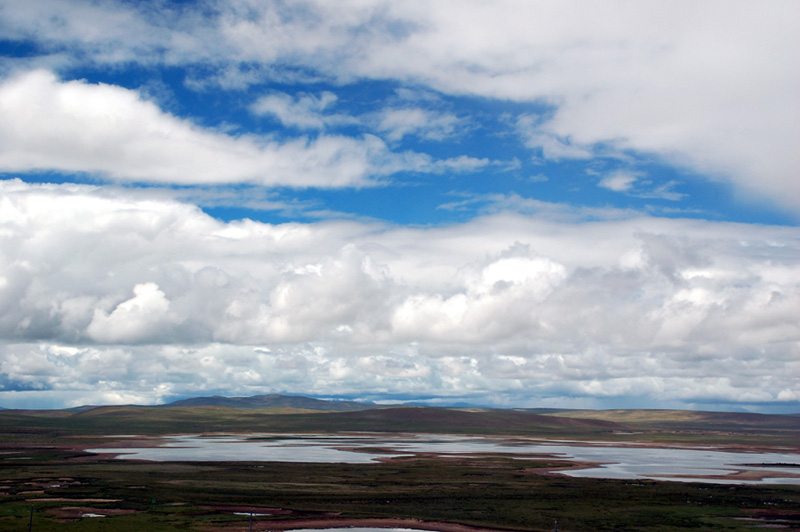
565,204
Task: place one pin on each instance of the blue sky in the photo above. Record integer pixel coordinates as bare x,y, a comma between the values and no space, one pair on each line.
508,204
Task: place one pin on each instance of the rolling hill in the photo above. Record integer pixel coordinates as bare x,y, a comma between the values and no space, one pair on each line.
256,402
297,414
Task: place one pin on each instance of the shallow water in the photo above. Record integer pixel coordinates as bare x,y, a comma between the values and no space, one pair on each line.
617,460
241,449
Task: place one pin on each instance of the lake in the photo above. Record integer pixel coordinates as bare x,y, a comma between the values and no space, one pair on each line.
619,461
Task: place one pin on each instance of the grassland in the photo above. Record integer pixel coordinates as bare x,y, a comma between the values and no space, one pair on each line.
44,467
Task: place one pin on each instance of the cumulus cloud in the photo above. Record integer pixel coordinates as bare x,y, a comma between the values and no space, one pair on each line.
140,317
495,302
507,305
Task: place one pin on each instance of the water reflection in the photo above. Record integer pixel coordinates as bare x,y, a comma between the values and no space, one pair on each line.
615,460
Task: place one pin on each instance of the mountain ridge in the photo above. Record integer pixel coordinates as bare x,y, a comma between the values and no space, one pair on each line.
255,402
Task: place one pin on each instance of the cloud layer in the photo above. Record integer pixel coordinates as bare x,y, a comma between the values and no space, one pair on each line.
117,293
710,86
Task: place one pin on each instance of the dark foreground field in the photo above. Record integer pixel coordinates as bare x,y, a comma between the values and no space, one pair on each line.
43,468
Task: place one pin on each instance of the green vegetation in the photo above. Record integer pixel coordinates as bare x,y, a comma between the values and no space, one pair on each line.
627,425
159,420
488,492
42,466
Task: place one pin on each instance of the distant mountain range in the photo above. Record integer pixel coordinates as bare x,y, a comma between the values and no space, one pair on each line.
274,401
300,404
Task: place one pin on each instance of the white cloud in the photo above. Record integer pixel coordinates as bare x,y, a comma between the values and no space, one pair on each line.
546,302
509,304
108,31
397,123
74,126
312,112
639,185
706,85
303,112
710,85
619,181
494,302
141,317
551,146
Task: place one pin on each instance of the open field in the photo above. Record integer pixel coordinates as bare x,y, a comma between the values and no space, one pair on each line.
629,425
43,466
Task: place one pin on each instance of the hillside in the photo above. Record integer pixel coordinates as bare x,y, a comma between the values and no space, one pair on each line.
294,414
689,419
273,401
205,419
